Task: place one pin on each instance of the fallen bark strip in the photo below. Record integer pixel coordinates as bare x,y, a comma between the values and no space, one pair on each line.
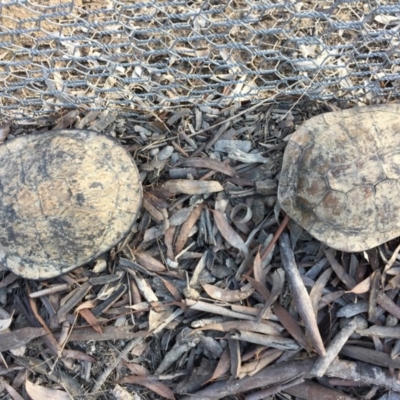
370,356
314,391
285,371
363,373
270,375
392,332
19,337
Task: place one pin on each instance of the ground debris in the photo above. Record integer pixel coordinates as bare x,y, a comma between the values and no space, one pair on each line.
208,293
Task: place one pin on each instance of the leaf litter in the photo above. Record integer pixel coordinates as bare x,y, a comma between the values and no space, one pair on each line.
212,294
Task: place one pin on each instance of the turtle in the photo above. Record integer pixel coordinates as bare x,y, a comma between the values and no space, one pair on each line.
340,177
66,197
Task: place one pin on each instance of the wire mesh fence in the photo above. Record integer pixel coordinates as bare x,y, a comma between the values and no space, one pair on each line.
132,56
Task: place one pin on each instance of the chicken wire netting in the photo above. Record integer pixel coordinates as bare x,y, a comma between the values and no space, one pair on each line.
133,56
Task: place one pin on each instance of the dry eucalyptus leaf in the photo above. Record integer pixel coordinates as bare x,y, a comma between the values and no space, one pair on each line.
153,211
186,228
37,392
150,382
180,216
78,355
88,316
361,287
210,164
156,318
149,262
229,234
223,366
251,368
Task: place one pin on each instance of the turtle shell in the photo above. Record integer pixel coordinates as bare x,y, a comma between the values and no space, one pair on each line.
67,196
340,177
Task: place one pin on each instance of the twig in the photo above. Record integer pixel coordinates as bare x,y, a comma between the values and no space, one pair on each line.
278,233
275,342
322,363
213,309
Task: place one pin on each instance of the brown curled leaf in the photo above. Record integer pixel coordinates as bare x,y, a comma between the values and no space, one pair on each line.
230,296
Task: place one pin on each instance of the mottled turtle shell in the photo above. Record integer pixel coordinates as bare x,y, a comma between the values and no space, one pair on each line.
340,177
66,197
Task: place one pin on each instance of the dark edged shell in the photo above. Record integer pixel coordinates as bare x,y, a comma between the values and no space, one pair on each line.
340,177
67,196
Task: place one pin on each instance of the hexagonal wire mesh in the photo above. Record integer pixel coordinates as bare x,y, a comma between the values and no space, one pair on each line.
134,55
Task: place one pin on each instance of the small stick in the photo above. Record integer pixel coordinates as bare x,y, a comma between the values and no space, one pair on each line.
323,363
179,149
278,233
388,304
214,309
